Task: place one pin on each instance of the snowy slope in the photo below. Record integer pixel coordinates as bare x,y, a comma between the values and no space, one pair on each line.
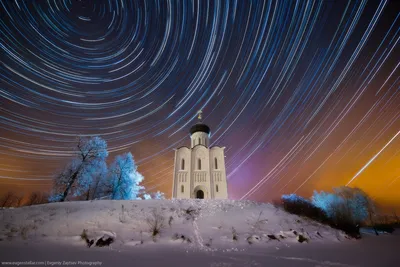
49,235
195,224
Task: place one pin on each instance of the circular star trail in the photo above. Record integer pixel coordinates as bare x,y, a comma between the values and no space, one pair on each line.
303,94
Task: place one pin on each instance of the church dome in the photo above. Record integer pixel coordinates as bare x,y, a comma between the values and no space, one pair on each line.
200,127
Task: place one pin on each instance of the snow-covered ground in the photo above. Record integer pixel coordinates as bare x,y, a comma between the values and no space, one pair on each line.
214,233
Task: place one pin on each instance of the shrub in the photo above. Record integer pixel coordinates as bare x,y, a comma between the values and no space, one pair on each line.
122,216
386,224
358,203
347,208
336,209
84,236
297,205
181,237
191,213
328,202
170,220
327,209
383,227
155,223
234,235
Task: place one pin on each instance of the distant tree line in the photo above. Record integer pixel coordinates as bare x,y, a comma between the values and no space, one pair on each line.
12,199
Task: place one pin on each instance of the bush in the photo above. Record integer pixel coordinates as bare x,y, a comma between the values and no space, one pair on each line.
85,237
347,208
155,223
386,228
330,203
191,213
351,204
341,220
386,224
300,206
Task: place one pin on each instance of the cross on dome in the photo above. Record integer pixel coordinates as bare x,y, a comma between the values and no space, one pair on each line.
200,113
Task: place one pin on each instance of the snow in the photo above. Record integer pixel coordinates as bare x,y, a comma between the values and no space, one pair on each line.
217,233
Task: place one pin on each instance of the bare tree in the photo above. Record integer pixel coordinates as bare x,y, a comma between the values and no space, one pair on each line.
33,198
44,198
7,199
90,155
99,188
18,200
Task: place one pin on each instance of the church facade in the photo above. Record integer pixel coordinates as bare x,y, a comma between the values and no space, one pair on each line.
199,171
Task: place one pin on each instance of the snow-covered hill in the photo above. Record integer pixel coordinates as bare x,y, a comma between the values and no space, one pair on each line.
251,233
197,224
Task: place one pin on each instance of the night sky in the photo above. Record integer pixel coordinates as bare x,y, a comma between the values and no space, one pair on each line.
304,95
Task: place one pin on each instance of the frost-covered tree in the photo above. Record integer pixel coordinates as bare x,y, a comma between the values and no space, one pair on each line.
156,195
291,198
159,195
147,196
360,205
77,177
124,178
330,203
346,203
99,188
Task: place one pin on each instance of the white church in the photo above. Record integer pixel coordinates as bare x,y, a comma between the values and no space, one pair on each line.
199,171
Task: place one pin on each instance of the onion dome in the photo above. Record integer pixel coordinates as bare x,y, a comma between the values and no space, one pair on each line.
200,127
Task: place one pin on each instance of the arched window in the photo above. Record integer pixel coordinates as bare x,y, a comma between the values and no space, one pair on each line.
182,189
216,188
183,164
216,163
199,141
199,163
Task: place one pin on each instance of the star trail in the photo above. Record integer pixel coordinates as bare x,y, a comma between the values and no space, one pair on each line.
303,94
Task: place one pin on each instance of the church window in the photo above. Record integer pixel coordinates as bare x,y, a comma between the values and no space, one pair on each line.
199,141
216,163
216,188
182,189
183,164
199,163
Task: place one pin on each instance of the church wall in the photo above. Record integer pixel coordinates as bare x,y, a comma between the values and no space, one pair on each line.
203,169
218,173
182,173
200,176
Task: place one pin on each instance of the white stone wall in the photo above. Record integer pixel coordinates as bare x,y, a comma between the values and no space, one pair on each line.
201,176
206,178
182,176
218,173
